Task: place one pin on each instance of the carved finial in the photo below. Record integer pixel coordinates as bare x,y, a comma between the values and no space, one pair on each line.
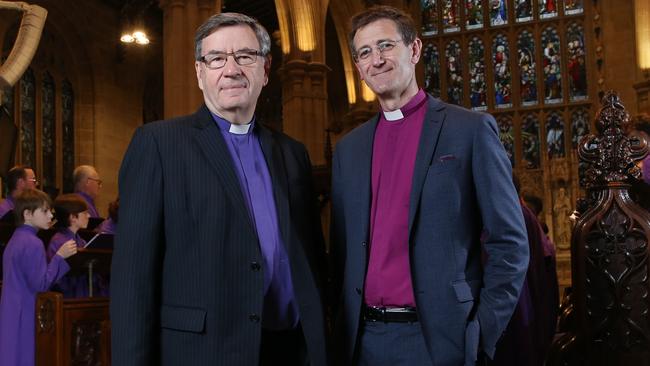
611,156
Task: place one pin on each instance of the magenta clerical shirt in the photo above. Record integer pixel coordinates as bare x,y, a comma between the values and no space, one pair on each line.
388,280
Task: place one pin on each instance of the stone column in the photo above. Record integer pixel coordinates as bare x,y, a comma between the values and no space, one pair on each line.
304,106
175,81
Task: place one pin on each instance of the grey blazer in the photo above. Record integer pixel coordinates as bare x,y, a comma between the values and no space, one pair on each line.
462,185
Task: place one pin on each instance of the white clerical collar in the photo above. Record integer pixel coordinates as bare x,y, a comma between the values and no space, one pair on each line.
393,115
239,129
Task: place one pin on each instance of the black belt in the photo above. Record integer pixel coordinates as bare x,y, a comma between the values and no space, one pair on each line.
390,315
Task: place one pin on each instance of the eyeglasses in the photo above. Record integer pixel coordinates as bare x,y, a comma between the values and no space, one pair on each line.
217,60
99,181
383,47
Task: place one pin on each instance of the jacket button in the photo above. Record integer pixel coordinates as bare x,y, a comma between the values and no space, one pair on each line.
254,318
363,243
358,290
255,266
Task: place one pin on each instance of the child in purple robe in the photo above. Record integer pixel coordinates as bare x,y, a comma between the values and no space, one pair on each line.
109,226
72,215
26,272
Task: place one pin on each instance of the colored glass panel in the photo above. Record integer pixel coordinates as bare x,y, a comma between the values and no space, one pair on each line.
432,70
579,126
473,14
547,8
527,68
429,17
554,135
572,7
530,141
523,10
451,15
477,79
454,73
67,124
507,137
502,74
552,66
48,133
498,12
576,64
28,118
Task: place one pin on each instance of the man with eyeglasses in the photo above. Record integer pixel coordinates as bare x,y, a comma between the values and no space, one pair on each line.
413,189
219,253
19,178
87,185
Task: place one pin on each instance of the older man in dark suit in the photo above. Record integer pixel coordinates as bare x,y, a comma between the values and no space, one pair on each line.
219,245
413,189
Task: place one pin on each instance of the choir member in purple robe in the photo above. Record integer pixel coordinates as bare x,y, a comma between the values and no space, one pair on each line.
72,215
87,185
109,225
26,272
19,178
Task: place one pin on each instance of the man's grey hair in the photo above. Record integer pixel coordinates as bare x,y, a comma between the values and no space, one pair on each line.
229,19
80,174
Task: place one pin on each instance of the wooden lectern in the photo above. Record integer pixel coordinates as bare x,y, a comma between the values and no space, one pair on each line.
75,331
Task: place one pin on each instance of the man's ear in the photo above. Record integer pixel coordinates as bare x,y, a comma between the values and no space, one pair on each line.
416,48
267,68
199,70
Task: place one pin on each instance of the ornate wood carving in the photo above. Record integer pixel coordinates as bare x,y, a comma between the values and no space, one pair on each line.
45,316
86,343
609,247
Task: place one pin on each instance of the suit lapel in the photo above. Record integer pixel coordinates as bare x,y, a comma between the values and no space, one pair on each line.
364,175
277,170
209,139
433,121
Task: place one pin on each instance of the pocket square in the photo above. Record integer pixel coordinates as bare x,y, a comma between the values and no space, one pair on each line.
447,157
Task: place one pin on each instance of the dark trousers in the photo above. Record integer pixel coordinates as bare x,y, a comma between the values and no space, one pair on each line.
283,347
392,344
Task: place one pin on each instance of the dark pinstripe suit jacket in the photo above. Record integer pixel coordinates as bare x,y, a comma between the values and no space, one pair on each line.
186,288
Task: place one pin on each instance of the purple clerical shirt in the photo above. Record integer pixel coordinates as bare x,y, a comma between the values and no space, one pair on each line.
388,279
280,308
6,206
92,210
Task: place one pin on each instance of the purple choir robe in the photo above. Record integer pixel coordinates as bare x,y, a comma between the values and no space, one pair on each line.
25,274
75,286
107,227
6,206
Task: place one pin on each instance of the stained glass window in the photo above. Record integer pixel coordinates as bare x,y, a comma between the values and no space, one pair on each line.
67,119
547,9
454,73
507,137
451,15
576,65
48,133
527,68
523,10
473,14
429,17
579,126
572,7
554,135
28,118
432,70
477,79
498,12
552,66
530,141
502,77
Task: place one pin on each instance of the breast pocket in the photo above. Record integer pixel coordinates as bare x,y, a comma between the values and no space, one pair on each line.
443,166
